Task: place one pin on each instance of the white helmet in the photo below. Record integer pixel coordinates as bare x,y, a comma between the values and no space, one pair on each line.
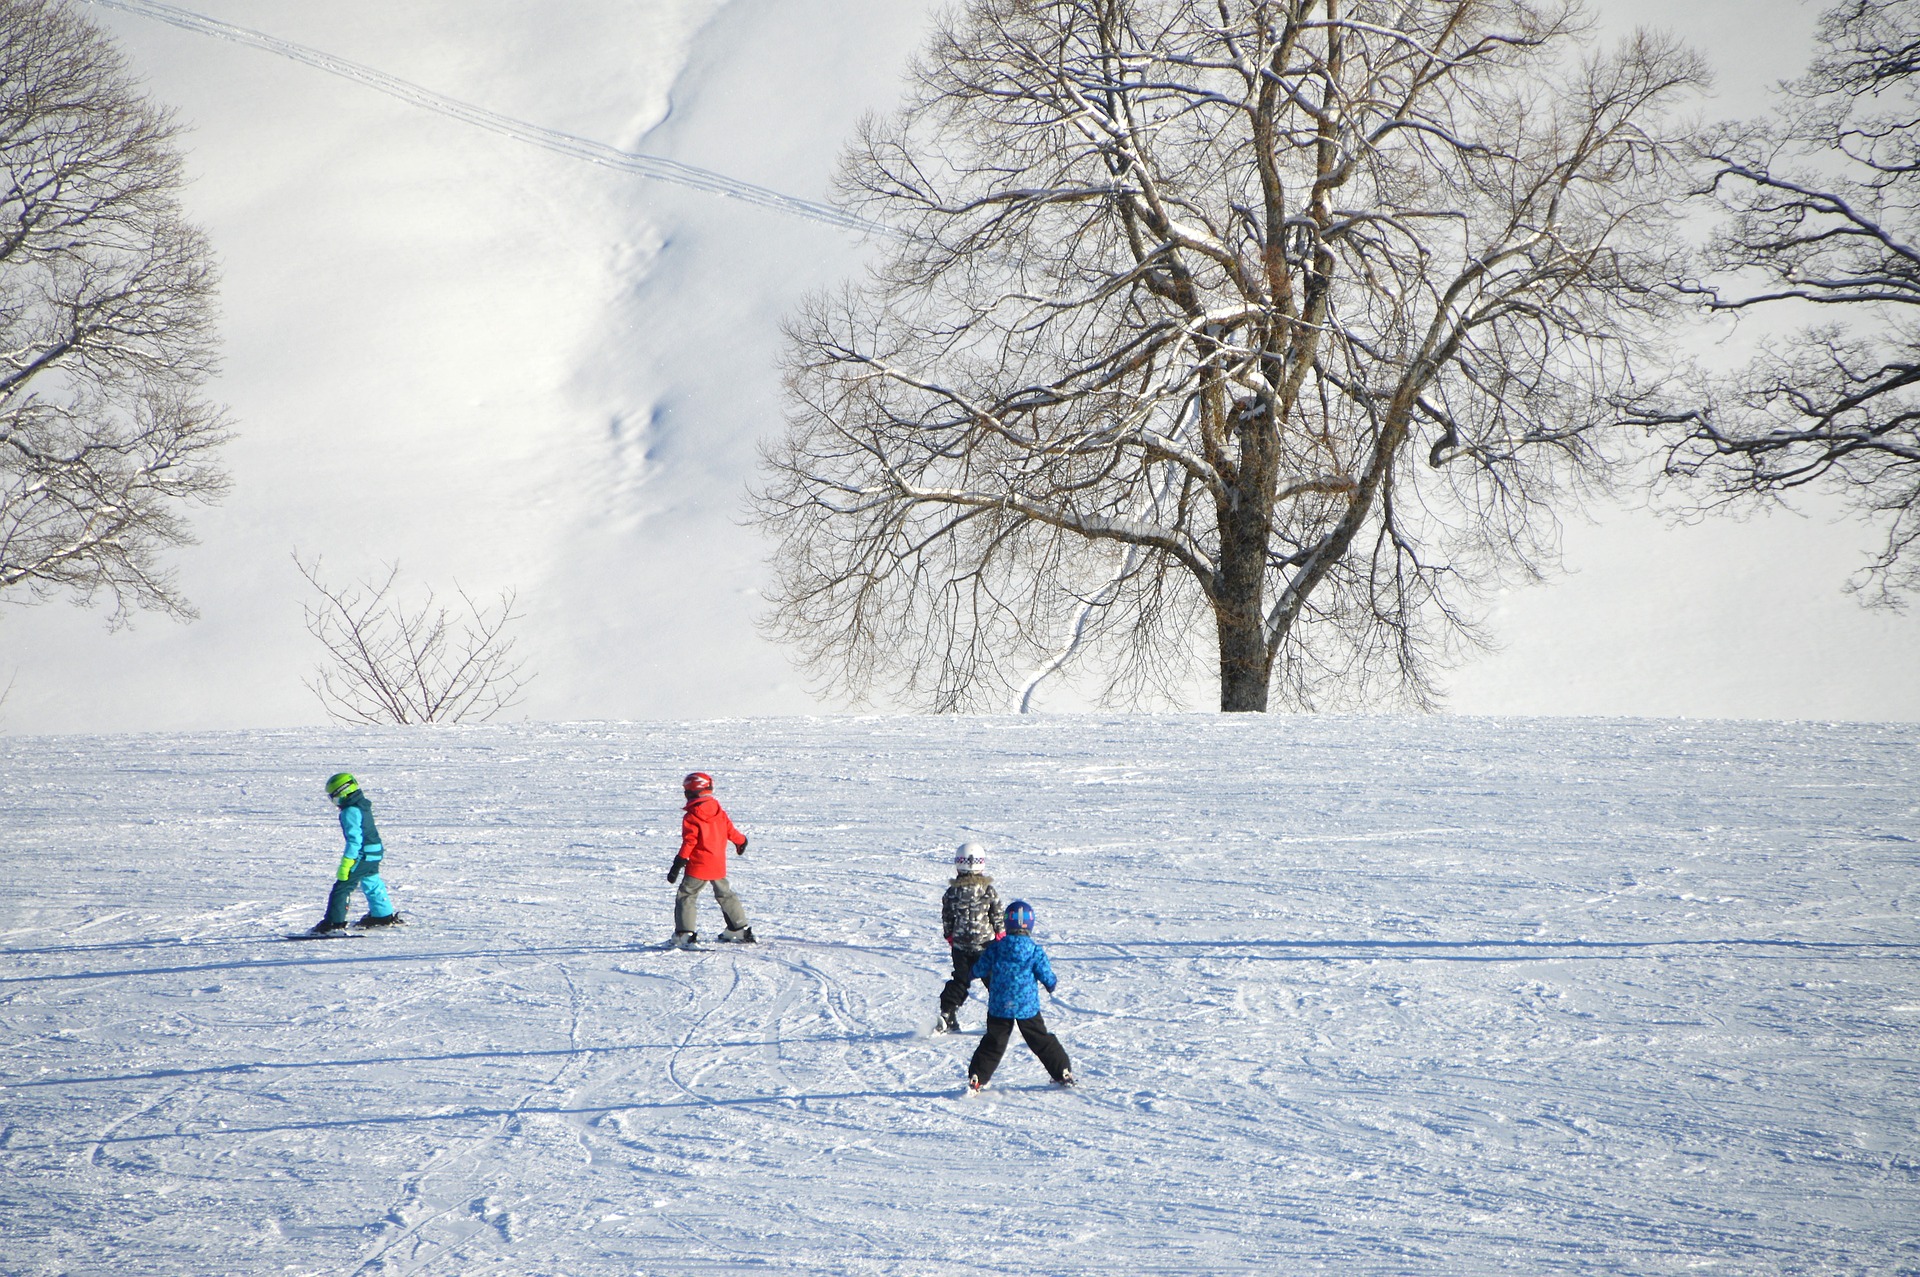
971,858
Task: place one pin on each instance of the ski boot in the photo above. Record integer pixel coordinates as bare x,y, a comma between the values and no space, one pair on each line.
743,936
948,1023
1066,1079
385,920
684,939
325,925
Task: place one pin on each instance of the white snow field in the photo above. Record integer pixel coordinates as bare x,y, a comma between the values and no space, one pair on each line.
1348,995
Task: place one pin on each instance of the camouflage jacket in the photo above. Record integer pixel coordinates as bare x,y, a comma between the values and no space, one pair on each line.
970,912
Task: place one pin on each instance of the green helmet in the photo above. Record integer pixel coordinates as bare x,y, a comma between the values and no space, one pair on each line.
342,785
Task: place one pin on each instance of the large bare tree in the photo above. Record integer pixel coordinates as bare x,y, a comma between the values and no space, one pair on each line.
1291,320
106,324
1824,199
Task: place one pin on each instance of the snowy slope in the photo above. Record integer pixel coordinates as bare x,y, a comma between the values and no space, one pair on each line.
1348,995
494,364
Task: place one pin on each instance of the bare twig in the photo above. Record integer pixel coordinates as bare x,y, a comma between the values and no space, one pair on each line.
388,662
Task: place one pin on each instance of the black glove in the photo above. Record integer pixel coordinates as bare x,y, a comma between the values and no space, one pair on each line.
679,863
741,850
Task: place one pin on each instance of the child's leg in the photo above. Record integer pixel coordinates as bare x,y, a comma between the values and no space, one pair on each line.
1045,1045
955,990
374,888
686,904
730,907
993,1045
338,899
342,894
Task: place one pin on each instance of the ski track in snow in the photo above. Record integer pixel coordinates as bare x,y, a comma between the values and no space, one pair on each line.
1352,995
655,167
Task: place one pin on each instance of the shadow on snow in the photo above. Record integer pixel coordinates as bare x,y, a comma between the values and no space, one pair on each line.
1078,951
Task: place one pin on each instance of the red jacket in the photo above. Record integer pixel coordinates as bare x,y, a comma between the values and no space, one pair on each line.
705,832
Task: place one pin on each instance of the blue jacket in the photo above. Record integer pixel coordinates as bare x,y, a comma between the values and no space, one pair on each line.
356,825
1010,966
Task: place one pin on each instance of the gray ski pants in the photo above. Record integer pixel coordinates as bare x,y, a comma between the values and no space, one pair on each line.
686,903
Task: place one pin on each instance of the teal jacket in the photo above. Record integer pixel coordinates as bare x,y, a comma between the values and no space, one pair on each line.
363,836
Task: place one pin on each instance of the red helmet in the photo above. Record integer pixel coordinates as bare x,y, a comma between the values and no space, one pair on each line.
697,783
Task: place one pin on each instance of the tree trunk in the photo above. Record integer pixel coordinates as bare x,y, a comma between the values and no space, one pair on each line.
1244,668
1239,612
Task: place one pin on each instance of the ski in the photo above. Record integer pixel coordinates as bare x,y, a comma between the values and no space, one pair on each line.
985,1092
730,939
353,932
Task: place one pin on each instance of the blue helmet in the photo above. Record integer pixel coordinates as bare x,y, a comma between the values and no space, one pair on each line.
1020,917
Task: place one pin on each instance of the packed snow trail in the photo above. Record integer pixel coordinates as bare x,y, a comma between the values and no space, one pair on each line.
1363,995
654,167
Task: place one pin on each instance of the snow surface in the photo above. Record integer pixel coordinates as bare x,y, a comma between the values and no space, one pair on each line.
1353,995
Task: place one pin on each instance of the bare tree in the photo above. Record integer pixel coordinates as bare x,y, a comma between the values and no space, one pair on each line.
1825,204
1291,319
391,662
106,324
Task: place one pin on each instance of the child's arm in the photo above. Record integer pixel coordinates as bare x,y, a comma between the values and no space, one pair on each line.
1043,969
350,829
946,915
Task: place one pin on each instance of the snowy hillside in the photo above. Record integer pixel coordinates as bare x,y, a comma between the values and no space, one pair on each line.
1347,995
500,366
492,363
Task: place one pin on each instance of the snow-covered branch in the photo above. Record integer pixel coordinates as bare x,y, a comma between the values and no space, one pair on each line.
106,325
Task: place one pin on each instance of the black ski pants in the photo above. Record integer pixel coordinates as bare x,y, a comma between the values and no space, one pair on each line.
986,1056
955,990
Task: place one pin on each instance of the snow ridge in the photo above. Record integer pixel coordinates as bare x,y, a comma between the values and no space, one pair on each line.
649,166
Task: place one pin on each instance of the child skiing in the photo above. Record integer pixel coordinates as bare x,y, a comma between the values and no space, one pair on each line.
359,863
705,831
970,920
1010,966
